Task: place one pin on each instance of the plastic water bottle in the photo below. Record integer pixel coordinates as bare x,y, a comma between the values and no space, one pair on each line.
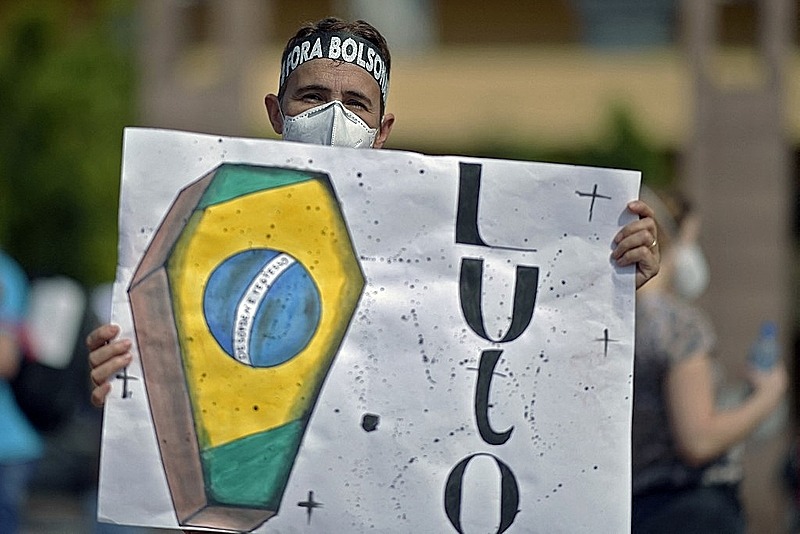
765,351
764,354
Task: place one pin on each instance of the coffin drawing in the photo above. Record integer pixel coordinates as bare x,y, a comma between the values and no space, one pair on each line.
240,304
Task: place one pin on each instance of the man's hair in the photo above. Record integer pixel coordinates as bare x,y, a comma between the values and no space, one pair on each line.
359,28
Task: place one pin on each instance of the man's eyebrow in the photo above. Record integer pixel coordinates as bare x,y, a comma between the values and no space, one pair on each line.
312,87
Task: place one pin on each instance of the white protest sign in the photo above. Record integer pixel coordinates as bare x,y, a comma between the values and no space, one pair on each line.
339,340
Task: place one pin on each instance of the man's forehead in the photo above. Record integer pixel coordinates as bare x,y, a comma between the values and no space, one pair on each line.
334,76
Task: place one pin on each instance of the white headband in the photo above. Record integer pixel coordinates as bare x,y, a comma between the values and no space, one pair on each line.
345,47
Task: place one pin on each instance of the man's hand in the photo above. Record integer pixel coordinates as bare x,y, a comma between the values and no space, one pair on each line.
637,242
771,383
106,358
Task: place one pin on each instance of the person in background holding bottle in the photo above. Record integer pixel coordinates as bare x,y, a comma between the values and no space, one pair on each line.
685,478
20,445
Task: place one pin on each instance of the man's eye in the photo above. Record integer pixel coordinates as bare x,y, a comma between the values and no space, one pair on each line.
312,97
356,104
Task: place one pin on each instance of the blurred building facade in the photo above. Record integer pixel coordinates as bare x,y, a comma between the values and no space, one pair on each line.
715,82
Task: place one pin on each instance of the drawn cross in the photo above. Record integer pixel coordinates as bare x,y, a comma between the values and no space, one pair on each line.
309,505
595,195
606,340
495,373
126,393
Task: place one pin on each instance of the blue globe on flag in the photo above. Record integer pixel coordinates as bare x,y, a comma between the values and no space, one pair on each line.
261,306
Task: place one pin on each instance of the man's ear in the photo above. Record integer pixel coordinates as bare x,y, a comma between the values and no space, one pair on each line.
383,132
274,112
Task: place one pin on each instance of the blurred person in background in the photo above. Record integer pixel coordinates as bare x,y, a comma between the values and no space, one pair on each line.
685,475
60,314
20,445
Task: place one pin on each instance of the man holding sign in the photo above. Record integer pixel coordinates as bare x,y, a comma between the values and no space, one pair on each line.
341,103
333,88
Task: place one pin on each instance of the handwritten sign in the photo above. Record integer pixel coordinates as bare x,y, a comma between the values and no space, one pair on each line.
339,340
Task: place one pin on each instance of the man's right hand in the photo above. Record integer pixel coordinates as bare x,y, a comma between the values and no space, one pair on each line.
107,357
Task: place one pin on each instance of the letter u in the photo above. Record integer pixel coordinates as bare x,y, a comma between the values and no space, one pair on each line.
470,285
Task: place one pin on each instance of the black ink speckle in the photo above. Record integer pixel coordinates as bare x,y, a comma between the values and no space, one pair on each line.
369,422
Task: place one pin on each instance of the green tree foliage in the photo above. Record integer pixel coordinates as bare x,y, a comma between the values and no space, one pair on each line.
66,85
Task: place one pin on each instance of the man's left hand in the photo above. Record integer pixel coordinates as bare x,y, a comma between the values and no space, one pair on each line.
637,243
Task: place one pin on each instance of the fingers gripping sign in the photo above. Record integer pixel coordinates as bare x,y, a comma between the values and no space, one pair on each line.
637,243
107,357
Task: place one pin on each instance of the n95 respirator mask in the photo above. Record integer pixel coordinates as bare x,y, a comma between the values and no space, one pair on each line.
329,124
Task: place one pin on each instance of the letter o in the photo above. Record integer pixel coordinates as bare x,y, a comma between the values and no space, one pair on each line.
509,493
349,50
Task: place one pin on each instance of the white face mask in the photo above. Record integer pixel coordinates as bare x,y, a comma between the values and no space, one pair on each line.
329,124
690,278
